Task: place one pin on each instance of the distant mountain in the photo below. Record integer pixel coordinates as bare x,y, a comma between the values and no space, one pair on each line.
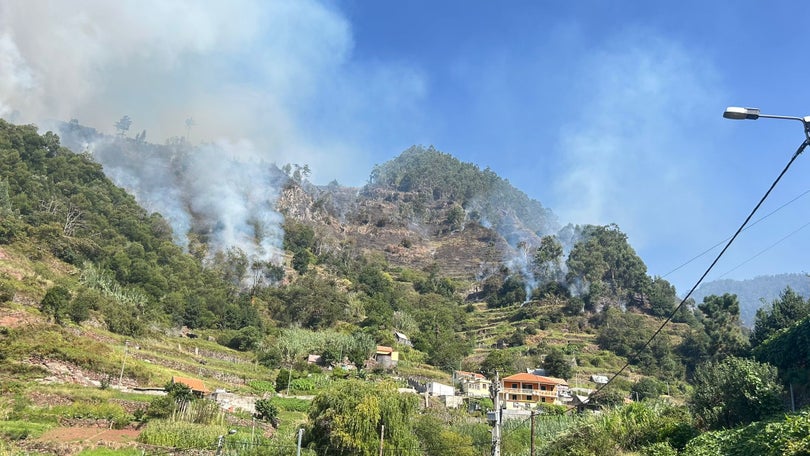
756,292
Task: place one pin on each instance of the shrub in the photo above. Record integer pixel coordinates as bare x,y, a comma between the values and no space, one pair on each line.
267,411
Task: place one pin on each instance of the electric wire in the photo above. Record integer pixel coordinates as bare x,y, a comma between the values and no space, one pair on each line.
699,255
636,353
758,254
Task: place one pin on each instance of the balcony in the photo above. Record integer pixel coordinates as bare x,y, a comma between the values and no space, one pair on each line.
529,392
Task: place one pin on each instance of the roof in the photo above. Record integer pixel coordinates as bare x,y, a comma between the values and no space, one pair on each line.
474,375
314,359
535,378
400,335
383,350
193,383
599,378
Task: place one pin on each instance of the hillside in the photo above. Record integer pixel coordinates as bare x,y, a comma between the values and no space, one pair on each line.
101,298
755,293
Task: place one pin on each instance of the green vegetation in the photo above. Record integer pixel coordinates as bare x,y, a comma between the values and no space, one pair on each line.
94,290
181,434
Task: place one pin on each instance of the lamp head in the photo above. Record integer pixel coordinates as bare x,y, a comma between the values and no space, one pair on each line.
733,112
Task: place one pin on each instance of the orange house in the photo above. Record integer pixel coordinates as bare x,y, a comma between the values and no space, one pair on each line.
523,391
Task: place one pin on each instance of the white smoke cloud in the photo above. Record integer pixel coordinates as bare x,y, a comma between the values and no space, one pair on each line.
277,72
641,101
265,82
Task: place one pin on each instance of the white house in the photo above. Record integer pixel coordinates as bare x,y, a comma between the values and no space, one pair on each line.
440,389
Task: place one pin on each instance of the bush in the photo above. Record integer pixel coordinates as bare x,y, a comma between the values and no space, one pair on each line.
659,449
55,303
267,411
735,391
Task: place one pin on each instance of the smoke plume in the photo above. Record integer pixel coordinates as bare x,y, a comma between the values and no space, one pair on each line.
256,77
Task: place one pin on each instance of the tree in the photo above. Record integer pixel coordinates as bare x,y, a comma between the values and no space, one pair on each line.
123,125
782,313
347,419
734,391
604,256
180,393
557,364
267,411
723,326
645,388
662,297
438,440
789,350
56,302
548,259
502,361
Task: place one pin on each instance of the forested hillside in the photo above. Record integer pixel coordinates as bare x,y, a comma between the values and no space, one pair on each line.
757,292
473,273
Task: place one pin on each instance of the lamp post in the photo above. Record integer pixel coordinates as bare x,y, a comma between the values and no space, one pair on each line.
737,113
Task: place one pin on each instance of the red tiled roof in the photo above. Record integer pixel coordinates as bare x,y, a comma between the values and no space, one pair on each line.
193,383
382,349
535,378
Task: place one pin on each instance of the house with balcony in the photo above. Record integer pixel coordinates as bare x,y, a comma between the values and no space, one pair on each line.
473,384
525,391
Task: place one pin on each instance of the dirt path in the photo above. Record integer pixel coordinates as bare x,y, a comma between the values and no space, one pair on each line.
89,435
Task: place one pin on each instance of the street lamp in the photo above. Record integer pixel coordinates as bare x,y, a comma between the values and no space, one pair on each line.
737,113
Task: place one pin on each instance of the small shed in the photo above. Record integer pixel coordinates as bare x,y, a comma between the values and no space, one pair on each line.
195,385
599,379
387,357
402,339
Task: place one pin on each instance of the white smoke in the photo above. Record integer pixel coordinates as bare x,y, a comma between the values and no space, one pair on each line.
279,72
258,78
222,191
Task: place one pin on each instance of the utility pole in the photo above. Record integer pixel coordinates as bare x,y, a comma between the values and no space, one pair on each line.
382,433
496,431
300,435
123,360
531,434
792,402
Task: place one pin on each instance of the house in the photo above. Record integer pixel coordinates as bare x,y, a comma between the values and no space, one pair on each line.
474,384
439,389
387,357
582,403
402,339
524,391
232,402
599,379
196,386
314,359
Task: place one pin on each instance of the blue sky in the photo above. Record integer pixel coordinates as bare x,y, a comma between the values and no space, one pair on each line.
606,112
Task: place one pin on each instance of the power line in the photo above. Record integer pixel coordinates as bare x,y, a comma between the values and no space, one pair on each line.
635,354
699,255
764,250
